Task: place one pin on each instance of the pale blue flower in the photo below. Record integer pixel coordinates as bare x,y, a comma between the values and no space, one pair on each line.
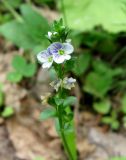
46,58
68,83
61,51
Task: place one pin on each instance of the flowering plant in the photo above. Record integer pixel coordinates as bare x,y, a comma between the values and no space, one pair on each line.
57,55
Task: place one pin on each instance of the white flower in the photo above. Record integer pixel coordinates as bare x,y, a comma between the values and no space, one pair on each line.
45,98
50,34
56,84
46,58
68,83
68,40
61,51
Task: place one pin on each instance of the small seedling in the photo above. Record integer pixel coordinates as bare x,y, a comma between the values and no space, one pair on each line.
21,69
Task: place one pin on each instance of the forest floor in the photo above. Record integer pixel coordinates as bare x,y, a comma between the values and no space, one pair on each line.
24,137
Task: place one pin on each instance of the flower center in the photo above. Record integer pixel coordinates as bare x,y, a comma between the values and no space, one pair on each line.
61,51
50,59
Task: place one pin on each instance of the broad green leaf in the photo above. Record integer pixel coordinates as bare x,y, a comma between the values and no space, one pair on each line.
58,101
29,34
103,106
123,104
14,77
14,3
71,100
19,63
84,15
98,84
107,120
48,113
82,63
115,124
8,111
29,70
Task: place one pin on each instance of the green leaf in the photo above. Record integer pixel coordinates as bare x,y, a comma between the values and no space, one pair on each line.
14,77
19,63
107,120
98,84
71,100
123,104
85,15
118,158
39,158
58,101
115,125
102,106
8,111
48,113
1,98
82,63
29,70
29,34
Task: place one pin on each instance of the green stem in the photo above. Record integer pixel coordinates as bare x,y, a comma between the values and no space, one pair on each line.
13,12
62,134
117,56
64,13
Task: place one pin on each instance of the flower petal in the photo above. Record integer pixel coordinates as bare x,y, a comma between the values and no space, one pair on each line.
67,57
42,56
58,58
68,48
47,65
54,47
49,34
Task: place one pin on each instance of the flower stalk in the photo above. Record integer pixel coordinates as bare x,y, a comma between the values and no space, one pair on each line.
57,55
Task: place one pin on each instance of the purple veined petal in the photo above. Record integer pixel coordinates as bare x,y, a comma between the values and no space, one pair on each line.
58,58
42,56
67,57
68,48
54,47
47,64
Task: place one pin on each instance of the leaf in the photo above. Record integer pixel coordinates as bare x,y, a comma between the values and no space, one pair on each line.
115,125
19,63
107,120
85,15
118,158
29,70
14,77
48,113
123,104
71,100
38,158
8,111
82,63
29,34
1,98
98,84
58,101
103,106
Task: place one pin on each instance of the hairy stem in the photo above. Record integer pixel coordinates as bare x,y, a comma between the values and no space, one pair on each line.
63,134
